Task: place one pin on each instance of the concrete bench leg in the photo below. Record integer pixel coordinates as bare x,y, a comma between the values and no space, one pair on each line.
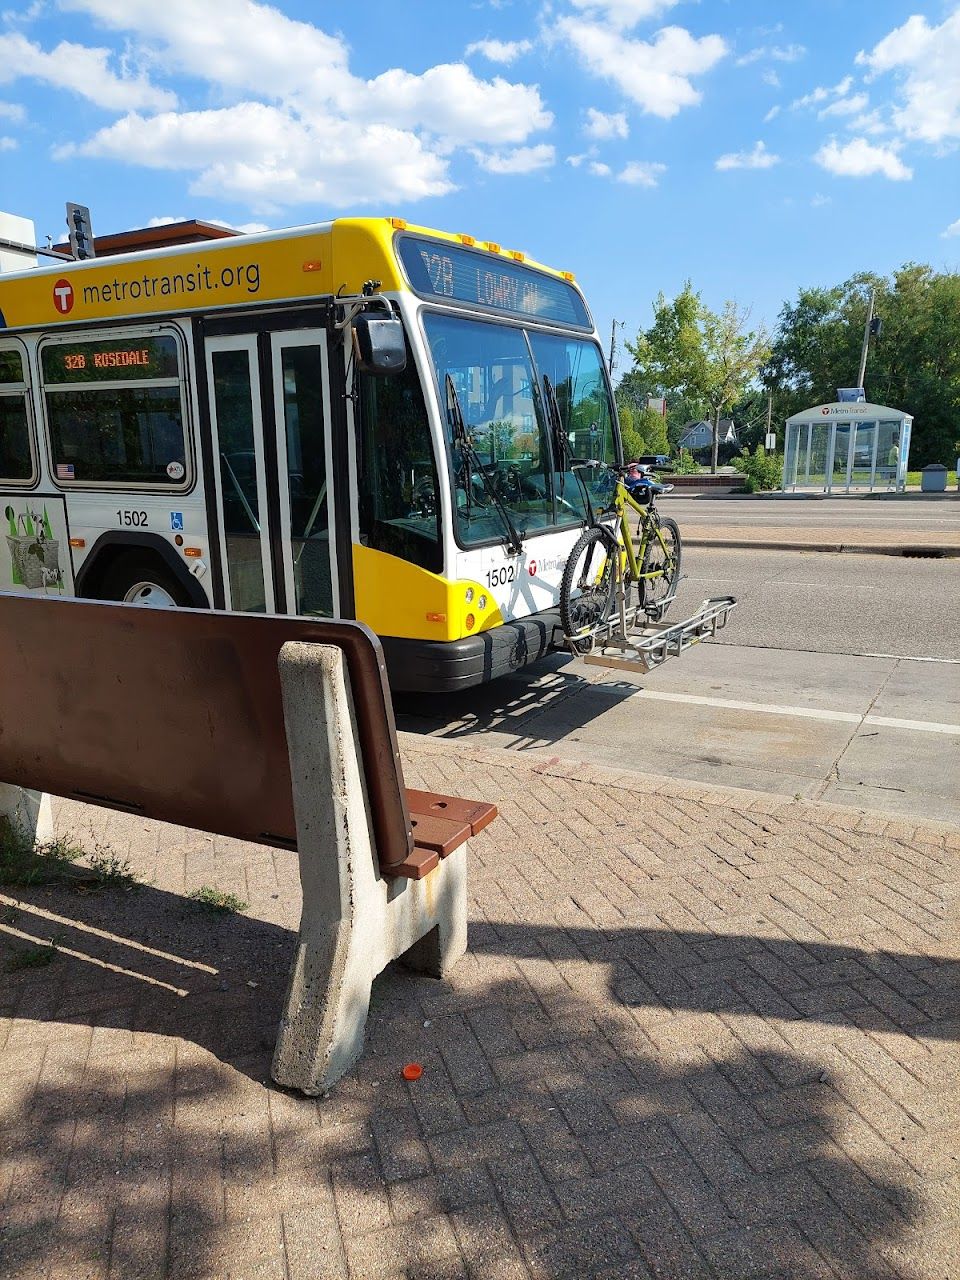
27,811
354,922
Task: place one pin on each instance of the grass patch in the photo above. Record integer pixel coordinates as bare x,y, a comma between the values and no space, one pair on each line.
916,477
209,899
109,869
32,958
24,861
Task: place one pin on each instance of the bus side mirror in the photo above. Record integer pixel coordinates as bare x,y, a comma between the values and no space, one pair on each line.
381,349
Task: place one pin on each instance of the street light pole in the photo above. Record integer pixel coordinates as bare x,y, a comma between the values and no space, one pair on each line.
613,342
866,342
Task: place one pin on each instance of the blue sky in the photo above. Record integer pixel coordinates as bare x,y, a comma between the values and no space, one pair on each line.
749,146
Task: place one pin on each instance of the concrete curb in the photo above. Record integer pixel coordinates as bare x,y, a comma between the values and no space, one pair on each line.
944,834
931,551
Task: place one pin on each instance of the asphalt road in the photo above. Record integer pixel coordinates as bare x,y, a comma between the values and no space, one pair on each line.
844,604
930,513
837,678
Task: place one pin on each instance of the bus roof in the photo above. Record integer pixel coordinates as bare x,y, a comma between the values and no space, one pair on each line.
296,264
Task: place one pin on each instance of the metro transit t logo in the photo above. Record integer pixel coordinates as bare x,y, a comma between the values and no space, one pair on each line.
63,296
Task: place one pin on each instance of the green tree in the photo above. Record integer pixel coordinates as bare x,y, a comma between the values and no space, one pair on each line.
653,428
633,442
701,357
914,365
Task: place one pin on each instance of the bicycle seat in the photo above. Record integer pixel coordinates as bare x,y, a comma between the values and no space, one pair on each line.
646,484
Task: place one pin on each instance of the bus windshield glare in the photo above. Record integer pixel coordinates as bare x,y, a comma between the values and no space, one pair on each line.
498,372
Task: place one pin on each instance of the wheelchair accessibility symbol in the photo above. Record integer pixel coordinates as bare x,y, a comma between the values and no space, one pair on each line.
176,521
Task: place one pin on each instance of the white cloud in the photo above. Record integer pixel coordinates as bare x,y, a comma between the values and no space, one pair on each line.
870,122
256,50
772,114
505,51
952,230
293,124
520,160
235,44
819,202
855,104
861,159
599,169
771,78
261,154
775,53
624,13
822,93
602,126
655,74
21,17
12,111
81,70
641,173
246,228
8,144
925,59
758,158
451,102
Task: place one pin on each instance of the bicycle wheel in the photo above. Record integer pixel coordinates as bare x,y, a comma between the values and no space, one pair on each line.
663,562
587,587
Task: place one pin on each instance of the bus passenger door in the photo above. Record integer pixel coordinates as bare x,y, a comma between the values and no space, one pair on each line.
236,419
301,400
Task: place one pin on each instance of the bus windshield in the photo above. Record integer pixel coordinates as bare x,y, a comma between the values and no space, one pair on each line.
500,389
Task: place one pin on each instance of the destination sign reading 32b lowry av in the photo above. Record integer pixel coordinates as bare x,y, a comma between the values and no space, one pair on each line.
440,270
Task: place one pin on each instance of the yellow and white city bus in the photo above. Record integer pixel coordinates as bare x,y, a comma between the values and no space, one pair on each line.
360,418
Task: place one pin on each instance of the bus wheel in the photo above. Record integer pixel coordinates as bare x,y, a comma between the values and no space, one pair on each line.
142,580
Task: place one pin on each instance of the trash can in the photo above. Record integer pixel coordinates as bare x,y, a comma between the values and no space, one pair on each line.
933,478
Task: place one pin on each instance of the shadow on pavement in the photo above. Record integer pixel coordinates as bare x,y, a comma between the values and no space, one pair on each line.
552,1135
531,709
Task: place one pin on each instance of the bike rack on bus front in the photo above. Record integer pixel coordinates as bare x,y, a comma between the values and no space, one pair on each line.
642,648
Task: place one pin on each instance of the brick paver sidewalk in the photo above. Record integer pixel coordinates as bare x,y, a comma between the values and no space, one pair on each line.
698,1034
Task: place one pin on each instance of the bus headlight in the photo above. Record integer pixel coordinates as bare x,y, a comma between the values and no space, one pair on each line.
468,594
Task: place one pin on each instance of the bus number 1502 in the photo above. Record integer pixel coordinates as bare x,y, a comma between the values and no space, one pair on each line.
136,518
500,577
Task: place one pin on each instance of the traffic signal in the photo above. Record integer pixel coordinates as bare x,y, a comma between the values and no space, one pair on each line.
81,233
876,327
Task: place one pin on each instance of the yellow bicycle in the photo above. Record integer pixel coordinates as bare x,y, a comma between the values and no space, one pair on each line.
609,579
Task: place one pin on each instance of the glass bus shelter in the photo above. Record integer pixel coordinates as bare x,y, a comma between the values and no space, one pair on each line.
838,447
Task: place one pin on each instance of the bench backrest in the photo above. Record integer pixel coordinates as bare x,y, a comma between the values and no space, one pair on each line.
177,715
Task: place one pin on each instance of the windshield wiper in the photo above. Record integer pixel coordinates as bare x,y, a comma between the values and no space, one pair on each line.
561,444
472,461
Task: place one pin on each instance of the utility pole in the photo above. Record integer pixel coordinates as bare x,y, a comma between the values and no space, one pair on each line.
613,342
866,342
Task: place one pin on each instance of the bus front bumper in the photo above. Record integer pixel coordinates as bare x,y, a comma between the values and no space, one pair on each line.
430,666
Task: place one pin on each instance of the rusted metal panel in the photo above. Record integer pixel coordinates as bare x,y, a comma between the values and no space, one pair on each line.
477,814
439,835
177,715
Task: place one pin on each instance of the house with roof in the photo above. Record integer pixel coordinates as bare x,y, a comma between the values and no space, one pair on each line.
699,435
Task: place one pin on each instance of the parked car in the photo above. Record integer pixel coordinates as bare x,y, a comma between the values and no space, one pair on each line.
653,460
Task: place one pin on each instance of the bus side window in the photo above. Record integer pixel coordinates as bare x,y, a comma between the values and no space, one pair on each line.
399,491
16,453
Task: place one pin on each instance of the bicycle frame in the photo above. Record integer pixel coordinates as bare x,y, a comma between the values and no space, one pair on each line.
622,502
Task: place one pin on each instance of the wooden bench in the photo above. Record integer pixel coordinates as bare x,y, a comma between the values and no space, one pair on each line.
269,729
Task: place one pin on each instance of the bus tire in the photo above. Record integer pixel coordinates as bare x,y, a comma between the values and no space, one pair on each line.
141,579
